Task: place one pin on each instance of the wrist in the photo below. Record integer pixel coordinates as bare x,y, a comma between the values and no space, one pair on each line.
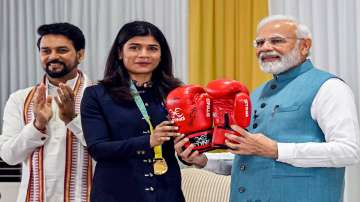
39,126
68,120
151,142
274,152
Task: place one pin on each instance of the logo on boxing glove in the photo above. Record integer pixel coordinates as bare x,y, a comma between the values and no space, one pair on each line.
208,109
246,103
201,140
177,114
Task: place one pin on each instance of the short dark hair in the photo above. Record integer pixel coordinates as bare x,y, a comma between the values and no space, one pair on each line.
68,30
116,78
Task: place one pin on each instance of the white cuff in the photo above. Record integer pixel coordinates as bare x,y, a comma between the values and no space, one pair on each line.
286,152
34,135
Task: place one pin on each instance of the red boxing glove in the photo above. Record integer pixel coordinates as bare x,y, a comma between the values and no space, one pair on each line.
190,108
231,105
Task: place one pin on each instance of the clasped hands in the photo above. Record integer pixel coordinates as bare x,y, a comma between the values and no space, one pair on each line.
42,105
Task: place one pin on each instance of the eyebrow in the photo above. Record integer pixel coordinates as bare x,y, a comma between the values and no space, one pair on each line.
274,35
133,43
46,47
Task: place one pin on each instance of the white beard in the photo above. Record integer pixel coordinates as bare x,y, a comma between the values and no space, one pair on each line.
286,61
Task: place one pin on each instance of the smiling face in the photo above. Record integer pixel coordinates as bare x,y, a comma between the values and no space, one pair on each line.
141,55
58,55
278,48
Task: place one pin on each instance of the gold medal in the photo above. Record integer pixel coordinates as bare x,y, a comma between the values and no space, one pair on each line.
160,166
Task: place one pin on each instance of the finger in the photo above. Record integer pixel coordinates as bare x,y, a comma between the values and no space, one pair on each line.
40,94
172,134
167,128
186,153
166,134
178,138
232,151
66,90
61,95
164,139
240,130
180,144
243,139
58,102
233,137
49,100
231,145
37,97
194,155
164,123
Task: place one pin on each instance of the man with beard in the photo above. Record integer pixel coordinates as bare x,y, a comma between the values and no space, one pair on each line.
304,128
42,127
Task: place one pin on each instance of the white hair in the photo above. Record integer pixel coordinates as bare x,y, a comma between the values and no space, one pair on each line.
302,31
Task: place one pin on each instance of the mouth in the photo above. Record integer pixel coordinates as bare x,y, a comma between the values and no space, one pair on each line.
53,66
269,57
143,63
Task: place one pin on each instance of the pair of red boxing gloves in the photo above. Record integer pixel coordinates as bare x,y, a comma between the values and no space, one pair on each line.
205,115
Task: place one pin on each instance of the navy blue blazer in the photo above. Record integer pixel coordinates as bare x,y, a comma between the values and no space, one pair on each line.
118,138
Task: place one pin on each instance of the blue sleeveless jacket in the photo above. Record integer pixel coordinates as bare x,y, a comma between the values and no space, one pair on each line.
281,111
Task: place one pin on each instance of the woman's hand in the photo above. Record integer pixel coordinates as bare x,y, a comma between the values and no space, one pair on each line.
188,155
163,132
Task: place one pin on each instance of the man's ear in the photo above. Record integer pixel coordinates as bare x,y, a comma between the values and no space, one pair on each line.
305,47
81,55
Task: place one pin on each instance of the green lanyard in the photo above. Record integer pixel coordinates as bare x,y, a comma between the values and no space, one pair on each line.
140,104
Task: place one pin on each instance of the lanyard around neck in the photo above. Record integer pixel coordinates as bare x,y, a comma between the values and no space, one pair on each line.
140,104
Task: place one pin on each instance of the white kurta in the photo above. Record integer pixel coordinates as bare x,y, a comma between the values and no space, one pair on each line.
18,142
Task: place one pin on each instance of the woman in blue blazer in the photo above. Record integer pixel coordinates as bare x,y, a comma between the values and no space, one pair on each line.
125,123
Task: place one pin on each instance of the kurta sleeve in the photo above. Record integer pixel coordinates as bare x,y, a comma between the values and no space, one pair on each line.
17,141
97,132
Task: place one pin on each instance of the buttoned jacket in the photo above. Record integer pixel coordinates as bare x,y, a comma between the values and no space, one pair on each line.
118,138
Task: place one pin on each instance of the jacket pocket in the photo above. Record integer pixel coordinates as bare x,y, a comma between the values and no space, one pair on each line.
279,108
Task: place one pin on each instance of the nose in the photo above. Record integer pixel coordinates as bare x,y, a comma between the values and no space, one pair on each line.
267,45
143,52
53,55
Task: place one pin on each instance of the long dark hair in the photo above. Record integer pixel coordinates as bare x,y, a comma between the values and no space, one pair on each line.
116,78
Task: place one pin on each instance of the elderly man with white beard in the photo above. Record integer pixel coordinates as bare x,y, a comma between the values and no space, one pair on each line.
304,128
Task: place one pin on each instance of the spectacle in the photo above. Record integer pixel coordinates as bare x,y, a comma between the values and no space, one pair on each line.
274,41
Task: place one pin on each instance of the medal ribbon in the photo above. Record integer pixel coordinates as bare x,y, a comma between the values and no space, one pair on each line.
140,104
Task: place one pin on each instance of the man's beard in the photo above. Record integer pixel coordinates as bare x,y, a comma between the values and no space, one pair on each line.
65,70
286,61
